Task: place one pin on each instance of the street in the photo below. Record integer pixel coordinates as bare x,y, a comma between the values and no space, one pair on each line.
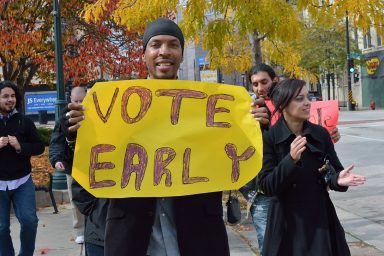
362,144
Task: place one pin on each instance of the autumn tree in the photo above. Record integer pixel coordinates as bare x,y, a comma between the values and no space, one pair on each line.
91,51
267,23
317,50
323,49
22,32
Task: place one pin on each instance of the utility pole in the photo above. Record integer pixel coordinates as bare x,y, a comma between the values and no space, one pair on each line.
329,85
350,96
60,101
59,179
333,85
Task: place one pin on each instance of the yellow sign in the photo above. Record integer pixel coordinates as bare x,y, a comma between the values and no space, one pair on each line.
155,138
208,76
372,65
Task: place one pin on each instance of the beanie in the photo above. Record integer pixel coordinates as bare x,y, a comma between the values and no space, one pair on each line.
162,26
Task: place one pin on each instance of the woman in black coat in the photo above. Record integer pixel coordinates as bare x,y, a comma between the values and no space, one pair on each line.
302,220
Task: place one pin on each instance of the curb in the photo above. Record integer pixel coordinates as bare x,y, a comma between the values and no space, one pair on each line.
43,199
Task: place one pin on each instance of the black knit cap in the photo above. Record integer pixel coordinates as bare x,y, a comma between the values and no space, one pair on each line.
162,26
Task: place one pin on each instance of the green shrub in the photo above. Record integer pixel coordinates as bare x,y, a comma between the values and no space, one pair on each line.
45,134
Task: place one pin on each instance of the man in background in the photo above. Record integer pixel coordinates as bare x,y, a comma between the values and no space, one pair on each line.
61,157
19,141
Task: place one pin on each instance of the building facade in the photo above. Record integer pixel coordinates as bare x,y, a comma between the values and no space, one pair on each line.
372,72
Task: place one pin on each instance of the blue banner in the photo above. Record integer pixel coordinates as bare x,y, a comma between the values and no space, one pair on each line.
40,101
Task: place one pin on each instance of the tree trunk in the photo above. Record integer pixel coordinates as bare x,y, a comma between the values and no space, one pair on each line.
257,57
24,79
22,75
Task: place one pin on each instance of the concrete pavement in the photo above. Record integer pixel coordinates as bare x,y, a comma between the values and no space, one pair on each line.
55,236
357,245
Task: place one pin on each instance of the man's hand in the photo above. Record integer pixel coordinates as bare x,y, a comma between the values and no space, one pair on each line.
347,178
258,112
297,147
335,135
59,166
14,142
3,141
75,116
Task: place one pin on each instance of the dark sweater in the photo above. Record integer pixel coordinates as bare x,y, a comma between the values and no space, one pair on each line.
15,165
59,151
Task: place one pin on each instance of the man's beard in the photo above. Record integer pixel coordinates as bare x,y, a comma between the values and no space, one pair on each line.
7,109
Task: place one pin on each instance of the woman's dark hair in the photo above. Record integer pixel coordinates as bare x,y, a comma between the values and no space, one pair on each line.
13,86
261,68
283,92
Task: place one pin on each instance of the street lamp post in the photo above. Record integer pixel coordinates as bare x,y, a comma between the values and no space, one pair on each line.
350,96
60,102
59,180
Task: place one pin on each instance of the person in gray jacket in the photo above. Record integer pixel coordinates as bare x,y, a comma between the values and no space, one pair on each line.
61,158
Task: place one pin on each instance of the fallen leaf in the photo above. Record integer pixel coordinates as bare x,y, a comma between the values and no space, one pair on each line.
44,251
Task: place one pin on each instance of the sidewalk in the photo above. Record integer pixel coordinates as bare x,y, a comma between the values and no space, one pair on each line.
358,247
55,237
54,233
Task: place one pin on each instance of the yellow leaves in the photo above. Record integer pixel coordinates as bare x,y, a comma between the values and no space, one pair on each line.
94,12
286,23
216,33
362,13
289,58
193,18
223,26
133,14
275,19
235,56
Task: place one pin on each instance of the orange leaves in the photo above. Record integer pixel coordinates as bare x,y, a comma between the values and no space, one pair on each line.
40,167
15,41
90,51
108,52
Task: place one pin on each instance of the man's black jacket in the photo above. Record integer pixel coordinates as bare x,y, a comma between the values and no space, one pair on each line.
15,165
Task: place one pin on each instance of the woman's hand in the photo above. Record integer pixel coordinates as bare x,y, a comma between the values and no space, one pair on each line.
347,178
298,147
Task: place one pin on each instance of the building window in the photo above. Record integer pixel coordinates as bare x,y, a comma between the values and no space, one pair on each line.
367,40
379,41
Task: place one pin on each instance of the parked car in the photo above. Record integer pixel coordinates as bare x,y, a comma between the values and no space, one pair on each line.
314,96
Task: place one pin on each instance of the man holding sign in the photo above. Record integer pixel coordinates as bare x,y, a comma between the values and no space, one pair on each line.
180,225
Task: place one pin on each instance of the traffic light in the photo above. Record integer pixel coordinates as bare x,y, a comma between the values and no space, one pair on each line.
356,77
351,66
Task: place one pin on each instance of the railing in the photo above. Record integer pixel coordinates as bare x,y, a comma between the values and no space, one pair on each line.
47,188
